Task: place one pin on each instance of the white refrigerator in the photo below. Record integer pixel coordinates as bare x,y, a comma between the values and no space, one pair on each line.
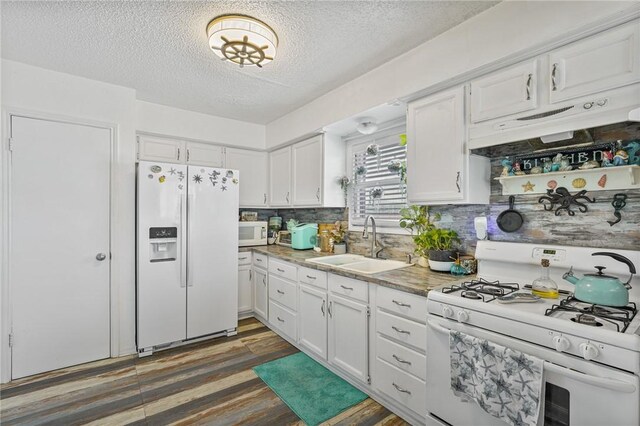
187,261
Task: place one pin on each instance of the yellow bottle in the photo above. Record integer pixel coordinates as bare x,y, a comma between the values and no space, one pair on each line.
544,286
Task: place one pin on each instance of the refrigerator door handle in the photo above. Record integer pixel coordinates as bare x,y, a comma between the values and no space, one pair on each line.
190,198
183,236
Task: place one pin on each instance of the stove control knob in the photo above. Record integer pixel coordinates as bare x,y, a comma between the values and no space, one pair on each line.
589,351
561,343
447,312
463,316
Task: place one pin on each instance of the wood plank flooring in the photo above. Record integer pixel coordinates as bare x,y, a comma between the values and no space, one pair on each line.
204,383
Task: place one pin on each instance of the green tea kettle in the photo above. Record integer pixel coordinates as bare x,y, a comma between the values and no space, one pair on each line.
601,289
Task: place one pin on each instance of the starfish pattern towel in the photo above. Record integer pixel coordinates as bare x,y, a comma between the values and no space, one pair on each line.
503,382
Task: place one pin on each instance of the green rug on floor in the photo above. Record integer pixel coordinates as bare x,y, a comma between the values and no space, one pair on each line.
314,393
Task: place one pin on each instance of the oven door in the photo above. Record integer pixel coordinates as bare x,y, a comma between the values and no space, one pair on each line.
575,392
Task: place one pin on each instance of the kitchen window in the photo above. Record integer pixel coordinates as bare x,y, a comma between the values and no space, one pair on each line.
376,163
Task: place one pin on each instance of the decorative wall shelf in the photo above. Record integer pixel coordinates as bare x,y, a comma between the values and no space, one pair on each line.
600,179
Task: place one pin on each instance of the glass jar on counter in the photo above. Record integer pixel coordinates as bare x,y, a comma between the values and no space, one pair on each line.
325,241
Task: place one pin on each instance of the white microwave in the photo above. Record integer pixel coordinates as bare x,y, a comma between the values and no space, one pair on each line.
252,234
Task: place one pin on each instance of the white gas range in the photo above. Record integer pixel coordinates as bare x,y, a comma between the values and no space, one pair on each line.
591,353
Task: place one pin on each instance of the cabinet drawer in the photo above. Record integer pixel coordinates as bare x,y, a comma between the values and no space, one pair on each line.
403,330
312,277
401,357
244,258
261,260
283,269
283,319
349,287
282,291
401,303
402,387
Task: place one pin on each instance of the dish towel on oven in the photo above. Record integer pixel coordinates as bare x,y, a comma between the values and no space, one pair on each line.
503,382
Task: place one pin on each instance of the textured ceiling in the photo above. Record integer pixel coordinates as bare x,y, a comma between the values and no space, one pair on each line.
160,48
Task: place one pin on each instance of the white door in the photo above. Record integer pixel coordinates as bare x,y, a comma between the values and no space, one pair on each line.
212,256
349,336
203,154
505,92
245,290
307,172
280,177
601,62
312,330
59,253
435,148
260,293
253,167
160,149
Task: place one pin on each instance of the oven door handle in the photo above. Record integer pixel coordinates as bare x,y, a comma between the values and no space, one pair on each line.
602,382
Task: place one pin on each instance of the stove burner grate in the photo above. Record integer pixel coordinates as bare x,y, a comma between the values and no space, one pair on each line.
482,289
589,315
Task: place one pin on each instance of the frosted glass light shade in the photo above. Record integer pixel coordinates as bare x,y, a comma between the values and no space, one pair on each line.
242,40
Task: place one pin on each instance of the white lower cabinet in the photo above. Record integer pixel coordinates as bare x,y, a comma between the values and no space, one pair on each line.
283,297
312,320
260,293
404,388
283,319
245,284
349,336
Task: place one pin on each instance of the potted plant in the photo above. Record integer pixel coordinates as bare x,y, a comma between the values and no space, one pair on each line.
434,246
338,234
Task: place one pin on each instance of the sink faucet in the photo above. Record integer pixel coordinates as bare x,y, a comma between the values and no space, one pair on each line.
376,248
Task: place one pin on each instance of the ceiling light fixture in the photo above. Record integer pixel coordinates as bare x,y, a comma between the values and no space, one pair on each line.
242,40
366,125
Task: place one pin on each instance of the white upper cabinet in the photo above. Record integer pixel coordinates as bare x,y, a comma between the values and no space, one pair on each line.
253,175
604,61
439,169
280,177
307,172
161,149
202,154
505,92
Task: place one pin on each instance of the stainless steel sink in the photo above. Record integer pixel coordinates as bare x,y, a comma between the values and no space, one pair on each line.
360,264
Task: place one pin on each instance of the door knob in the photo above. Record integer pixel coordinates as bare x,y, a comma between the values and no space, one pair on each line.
101,256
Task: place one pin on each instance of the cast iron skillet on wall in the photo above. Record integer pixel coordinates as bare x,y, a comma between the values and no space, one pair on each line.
510,220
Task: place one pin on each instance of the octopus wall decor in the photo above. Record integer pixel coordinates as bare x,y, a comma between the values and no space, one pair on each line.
561,199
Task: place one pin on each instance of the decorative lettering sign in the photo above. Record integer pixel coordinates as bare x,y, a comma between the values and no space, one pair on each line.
576,156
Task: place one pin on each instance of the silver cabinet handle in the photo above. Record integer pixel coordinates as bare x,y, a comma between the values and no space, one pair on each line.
458,181
280,319
400,360
258,259
101,256
250,274
178,154
400,389
529,87
554,85
187,154
287,197
399,330
265,199
264,280
280,270
280,291
322,307
310,277
318,194
243,258
329,309
345,287
405,305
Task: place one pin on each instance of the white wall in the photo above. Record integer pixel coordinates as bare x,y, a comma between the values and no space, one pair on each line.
179,123
505,29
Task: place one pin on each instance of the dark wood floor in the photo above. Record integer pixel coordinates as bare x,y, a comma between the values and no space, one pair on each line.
205,383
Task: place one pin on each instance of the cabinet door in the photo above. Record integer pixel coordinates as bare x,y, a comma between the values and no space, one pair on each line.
245,290
307,172
260,293
349,336
202,154
435,148
312,320
280,177
601,62
504,92
159,149
253,175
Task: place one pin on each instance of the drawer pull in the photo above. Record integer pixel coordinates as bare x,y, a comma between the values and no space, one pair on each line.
258,259
280,291
405,305
400,389
280,270
311,277
400,360
243,258
280,319
399,330
322,307
345,287
329,309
